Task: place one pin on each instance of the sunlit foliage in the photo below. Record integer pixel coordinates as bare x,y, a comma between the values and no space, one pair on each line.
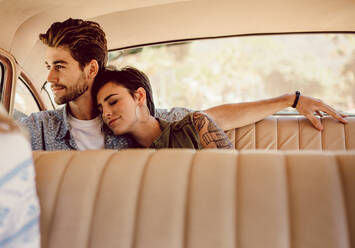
205,73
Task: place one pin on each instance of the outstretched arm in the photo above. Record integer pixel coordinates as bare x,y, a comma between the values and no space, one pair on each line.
211,136
229,116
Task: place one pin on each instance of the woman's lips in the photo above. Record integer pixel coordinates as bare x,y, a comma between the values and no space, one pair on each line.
112,121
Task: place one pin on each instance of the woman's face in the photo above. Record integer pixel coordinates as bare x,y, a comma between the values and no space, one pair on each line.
118,108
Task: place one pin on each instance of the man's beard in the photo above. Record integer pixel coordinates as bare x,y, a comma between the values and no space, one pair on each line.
73,92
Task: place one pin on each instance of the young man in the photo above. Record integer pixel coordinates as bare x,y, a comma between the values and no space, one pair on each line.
76,51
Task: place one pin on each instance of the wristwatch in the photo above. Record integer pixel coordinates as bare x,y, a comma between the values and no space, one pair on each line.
296,99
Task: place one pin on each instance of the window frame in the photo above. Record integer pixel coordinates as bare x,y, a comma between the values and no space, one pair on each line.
9,80
30,86
6,84
27,90
2,75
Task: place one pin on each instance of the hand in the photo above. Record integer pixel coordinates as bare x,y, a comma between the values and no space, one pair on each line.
309,106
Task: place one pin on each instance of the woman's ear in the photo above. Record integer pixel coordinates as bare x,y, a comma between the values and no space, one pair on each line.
140,95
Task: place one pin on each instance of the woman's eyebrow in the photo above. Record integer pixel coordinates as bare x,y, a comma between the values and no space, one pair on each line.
108,97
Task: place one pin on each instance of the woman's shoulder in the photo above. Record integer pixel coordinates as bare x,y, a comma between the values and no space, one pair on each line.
186,121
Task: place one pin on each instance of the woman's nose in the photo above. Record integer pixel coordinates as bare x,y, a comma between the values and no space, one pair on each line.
107,114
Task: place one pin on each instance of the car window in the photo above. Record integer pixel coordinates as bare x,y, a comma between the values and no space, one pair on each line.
48,95
204,73
25,102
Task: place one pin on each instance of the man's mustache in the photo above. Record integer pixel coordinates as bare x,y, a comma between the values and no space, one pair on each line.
57,86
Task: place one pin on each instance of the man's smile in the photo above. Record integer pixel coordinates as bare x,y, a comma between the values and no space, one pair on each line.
57,88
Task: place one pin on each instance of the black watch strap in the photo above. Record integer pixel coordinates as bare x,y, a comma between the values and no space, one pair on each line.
296,99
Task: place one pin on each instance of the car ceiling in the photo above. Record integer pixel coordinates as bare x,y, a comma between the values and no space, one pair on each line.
138,22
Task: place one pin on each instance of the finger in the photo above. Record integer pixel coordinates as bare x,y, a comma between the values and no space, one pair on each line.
344,115
332,112
315,122
319,113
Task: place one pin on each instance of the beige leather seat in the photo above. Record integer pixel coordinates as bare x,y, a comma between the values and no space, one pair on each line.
184,198
294,133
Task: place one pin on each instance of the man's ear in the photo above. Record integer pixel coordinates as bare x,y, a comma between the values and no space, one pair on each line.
141,95
93,68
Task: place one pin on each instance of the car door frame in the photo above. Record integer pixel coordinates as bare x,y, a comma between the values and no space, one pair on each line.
10,80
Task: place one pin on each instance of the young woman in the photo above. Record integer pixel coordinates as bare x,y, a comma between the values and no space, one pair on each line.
124,98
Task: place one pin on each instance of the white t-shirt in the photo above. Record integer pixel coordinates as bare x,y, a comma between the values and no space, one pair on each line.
19,206
87,133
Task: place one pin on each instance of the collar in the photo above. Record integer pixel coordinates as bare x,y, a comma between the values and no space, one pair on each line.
163,124
158,142
63,127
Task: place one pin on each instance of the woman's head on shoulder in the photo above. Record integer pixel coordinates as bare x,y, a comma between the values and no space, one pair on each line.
123,97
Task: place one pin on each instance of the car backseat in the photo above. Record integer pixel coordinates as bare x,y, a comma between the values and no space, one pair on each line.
294,133
198,199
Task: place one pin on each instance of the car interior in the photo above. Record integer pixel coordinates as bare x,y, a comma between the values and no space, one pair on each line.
285,184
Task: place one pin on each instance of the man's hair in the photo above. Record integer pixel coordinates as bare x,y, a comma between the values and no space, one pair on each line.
128,77
85,39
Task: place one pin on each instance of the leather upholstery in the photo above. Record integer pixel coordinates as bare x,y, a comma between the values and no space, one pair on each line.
294,133
196,199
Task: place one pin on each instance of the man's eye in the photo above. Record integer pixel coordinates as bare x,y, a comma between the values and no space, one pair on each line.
58,67
48,67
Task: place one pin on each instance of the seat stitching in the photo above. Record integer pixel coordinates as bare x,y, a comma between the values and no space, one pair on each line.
255,136
139,199
277,134
288,198
237,199
299,133
187,202
60,183
340,174
35,161
98,190
345,137
322,134
244,136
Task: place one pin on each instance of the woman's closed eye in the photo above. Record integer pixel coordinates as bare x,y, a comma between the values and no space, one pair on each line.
112,102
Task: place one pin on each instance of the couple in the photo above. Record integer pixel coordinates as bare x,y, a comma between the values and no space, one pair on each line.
77,52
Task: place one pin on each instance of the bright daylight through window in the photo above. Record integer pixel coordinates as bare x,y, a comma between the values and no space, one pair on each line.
25,102
204,73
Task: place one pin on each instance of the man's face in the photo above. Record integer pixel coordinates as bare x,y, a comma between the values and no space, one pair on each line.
68,81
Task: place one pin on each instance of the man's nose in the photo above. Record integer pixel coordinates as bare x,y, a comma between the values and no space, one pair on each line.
52,76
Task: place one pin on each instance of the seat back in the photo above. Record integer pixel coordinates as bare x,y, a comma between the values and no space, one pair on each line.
294,133
197,199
